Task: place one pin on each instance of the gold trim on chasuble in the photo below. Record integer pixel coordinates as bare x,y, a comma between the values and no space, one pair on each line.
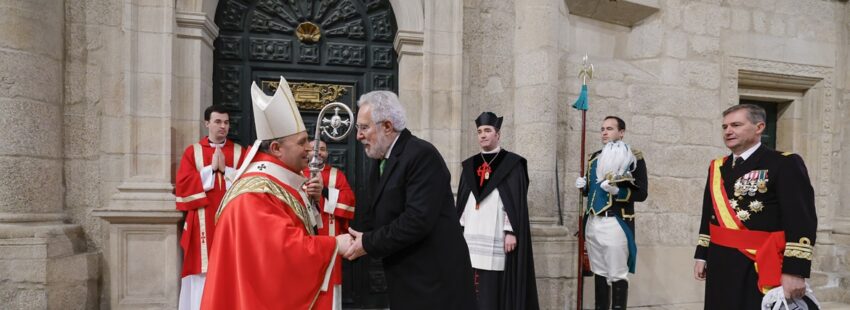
259,184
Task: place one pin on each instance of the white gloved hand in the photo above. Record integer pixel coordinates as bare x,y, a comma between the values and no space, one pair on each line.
581,182
611,189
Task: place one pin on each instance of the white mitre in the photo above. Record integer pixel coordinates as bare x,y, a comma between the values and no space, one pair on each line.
275,116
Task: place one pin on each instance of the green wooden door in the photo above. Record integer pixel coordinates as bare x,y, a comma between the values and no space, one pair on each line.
330,50
768,137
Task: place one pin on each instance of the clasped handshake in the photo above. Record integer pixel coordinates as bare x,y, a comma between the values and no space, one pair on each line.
349,245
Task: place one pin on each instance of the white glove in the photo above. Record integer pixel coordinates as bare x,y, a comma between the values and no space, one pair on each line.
775,300
581,182
611,189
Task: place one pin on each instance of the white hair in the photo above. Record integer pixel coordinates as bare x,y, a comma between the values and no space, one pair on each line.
616,160
385,107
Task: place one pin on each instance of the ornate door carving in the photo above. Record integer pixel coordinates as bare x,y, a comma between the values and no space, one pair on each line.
328,50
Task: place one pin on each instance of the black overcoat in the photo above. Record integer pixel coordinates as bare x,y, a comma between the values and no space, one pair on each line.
412,225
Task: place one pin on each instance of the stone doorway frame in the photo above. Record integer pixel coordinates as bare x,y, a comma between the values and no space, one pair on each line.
167,70
811,127
429,47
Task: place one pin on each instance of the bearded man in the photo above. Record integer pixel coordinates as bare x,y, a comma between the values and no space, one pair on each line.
409,221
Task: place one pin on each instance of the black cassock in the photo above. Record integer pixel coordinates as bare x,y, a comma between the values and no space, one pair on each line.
510,175
785,203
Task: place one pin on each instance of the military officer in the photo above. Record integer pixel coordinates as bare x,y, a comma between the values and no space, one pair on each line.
758,210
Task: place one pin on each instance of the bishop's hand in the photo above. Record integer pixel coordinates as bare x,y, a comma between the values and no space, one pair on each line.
314,187
343,243
356,250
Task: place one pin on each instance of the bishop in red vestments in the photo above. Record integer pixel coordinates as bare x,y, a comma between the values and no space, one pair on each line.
202,179
266,254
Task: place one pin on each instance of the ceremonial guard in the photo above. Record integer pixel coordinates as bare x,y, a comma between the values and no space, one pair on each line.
493,209
337,209
615,180
205,173
758,221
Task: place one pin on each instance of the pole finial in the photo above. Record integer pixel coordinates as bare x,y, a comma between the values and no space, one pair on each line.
586,72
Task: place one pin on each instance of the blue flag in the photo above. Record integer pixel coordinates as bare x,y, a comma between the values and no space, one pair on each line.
581,102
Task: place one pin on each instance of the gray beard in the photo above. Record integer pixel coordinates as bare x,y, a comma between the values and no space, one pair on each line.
379,148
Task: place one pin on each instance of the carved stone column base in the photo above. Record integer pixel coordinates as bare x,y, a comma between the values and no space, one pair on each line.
142,267
45,266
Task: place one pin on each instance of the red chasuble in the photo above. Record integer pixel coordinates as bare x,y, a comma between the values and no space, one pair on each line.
264,255
337,210
201,205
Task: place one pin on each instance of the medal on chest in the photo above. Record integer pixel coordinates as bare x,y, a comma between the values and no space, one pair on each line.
752,182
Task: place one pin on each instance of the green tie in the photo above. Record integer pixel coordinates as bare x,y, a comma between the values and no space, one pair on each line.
381,166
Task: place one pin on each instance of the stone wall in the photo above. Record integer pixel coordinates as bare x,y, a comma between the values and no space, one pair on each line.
669,78
137,73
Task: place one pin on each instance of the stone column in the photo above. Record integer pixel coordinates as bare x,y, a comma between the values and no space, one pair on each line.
31,85
442,81
141,214
536,65
39,255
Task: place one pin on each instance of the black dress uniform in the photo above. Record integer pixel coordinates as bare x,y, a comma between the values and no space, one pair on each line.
768,192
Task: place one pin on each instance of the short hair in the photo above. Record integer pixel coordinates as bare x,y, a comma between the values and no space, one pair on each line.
385,107
621,124
265,144
755,114
217,108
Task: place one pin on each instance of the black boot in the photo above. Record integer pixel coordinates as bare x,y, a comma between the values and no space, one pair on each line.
603,292
620,294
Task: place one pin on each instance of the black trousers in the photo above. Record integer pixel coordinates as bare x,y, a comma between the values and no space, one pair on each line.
488,285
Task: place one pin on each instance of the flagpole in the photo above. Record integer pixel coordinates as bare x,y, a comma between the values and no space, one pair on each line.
581,104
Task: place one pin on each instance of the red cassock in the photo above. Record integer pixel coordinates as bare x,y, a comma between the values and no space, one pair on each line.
264,255
199,191
337,210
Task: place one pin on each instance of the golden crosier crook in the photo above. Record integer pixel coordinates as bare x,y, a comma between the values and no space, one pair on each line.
331,128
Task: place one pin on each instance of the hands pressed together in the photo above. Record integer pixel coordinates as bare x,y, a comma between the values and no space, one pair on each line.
350,245
218,160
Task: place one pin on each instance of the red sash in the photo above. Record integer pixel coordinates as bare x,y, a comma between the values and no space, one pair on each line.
768,246
765,248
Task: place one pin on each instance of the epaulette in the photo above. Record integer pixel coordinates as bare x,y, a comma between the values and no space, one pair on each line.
638,154
787,153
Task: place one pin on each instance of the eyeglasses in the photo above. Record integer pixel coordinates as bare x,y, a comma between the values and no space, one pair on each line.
365,127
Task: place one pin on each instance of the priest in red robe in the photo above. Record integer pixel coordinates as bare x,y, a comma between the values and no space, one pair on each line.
337,209
205,173
266,254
